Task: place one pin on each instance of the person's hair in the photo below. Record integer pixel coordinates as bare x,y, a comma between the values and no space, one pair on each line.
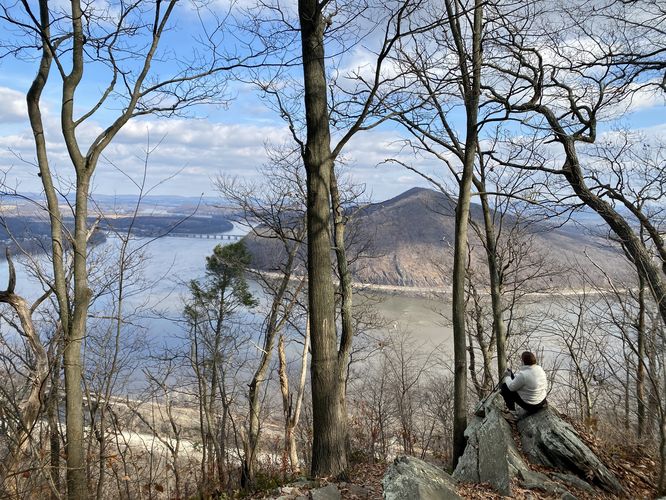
528,358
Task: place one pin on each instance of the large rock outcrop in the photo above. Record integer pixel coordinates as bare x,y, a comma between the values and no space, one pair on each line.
549,440
491,455
409,477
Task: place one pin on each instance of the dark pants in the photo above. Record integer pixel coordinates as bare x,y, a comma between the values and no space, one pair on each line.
511,398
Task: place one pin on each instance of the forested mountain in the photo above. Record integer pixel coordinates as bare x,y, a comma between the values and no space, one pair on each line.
407,241
152,225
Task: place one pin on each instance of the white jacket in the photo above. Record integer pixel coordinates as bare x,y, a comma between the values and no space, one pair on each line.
530,383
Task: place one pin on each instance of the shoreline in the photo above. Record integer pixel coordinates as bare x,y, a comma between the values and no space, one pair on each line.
436,292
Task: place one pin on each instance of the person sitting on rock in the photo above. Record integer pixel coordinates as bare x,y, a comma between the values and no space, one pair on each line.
528,387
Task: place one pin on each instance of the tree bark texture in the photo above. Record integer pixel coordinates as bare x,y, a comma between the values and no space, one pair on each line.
471,81
291,409
31,405
499,327
329,420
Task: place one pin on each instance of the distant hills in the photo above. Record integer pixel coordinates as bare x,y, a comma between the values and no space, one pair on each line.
153,225
408,241
32,234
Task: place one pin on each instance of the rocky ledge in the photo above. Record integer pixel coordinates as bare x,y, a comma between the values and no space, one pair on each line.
495,457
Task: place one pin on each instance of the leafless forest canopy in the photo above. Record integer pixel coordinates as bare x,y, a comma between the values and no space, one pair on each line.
542,228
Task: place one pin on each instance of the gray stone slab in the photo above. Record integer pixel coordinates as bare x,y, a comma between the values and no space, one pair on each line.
413,479
549,440
328,492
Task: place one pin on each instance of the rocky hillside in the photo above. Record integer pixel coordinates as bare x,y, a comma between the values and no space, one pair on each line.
408,241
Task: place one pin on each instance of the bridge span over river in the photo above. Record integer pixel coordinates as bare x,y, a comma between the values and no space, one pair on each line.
214,236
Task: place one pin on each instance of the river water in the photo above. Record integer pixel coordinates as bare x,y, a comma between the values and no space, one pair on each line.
157,288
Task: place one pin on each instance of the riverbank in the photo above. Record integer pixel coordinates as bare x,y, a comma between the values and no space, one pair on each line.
442,293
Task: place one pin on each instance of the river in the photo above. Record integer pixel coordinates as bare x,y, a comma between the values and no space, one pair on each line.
158,286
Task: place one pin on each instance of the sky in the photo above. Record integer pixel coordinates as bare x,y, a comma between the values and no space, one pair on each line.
189,152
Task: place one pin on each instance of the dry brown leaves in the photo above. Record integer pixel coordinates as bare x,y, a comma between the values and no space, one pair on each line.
636,471
368,476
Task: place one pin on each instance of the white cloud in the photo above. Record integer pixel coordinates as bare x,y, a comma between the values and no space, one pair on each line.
642,96
196,149
200,149
14,108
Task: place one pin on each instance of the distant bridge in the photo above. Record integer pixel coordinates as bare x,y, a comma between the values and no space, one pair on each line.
229,237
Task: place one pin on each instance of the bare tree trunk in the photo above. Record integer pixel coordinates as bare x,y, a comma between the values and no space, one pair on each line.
329,457
471,81
640,362
286,403
274,324
53,421
347,334
499,327
31,405
458,299
77,484
661,488
55,218
221,445
654,387
346,320
51,403
251,441
292,411
627,395
204,419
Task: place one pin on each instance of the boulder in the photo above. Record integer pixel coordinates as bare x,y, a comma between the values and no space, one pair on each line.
491,455
409,477
355,491
328,492
548,440
574,481
305,483
290,490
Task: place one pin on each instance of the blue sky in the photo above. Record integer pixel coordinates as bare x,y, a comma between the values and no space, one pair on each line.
215,140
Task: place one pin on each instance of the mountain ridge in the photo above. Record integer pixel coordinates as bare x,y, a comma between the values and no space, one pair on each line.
408,240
